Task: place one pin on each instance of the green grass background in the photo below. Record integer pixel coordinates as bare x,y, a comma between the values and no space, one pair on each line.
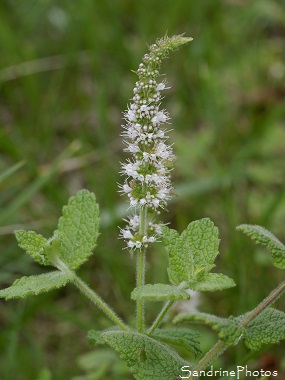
65,78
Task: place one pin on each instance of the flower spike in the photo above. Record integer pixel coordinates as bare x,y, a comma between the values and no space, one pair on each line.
147,184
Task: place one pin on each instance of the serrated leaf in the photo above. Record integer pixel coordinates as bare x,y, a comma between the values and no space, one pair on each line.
181,337
264,237
227,328
267,328
192,255
78,229
34,285
158,292
192,251
212,282
146,358
33,244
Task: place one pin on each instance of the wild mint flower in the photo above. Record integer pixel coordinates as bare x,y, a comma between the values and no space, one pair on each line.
147,172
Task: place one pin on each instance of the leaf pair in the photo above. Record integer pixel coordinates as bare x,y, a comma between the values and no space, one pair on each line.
191,257
70,246
267,328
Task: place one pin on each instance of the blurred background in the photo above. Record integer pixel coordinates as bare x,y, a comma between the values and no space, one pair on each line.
65,77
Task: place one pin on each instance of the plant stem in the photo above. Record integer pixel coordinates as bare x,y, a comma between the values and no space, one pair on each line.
164,310
140,282
220,346
214,352
141,269
97,300
160,316
269,300
93,296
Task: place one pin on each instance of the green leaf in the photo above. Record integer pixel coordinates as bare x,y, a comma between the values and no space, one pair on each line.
94,337
266,238
33,244
34,285
227,328
267,328
212,282
192,255
158,292
181,337
51,248
192,251
146,358
78,229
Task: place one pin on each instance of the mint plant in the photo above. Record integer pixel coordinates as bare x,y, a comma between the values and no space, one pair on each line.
149,351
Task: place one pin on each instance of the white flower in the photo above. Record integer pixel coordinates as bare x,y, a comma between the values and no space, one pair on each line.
131,169
132,148
134,221
133,202
131,244
162,193
160,86
131,116
159,118
162,151
127,234
127,188
144,108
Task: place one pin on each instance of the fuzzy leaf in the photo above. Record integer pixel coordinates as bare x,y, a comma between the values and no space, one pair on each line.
192,255
78,229
266,238
191,252
146,358
158,292
33,244
34,285
181,337
94,337
227,328
267,328
212,282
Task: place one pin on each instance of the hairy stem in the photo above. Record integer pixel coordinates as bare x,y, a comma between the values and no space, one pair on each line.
164,310
160,316
141,270
140,282
97,300
271,298
93,296
220,346
141,255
